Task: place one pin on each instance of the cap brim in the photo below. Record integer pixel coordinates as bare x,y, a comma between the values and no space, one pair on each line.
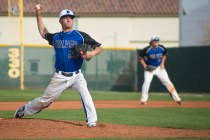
155,40
68,15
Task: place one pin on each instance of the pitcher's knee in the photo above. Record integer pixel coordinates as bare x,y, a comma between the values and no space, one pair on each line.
43,103
166,83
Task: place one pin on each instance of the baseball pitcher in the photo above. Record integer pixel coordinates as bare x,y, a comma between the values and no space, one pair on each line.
71,48
153,58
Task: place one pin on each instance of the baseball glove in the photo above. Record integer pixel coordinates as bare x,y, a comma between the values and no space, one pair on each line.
81,48
150,68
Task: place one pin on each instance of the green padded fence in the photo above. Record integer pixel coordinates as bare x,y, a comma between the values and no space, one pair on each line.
111,70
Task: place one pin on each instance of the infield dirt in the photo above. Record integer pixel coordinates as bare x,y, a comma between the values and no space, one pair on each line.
45,128
109,104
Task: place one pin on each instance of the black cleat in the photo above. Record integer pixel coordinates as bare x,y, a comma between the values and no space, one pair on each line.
20,112
143,103
179,102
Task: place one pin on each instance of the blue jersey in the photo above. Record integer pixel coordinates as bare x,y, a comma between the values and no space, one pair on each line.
63,43
153,56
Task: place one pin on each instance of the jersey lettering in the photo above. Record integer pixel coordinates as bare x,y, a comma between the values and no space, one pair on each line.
71,54
160,55
153,56
65,43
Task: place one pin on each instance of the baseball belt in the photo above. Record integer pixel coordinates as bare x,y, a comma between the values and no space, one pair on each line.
67,74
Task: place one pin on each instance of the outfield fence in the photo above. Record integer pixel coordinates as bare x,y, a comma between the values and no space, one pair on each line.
188,69
114,69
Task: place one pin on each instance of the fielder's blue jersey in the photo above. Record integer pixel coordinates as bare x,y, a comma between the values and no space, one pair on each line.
153,56
63,43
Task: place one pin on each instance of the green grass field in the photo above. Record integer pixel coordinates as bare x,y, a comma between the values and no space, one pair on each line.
123,139
183,118
160,117
26,95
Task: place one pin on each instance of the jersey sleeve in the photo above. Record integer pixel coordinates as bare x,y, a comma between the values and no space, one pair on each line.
90,41
143,53
165,52
49,38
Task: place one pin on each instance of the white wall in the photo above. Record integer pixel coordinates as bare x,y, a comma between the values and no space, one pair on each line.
134,32
31,33
107,30
9,30
122,31
164,27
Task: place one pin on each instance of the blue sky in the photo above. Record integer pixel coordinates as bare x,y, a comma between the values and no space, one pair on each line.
192,24
190,5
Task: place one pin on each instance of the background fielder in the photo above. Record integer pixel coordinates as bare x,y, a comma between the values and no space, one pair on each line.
153,59
67,67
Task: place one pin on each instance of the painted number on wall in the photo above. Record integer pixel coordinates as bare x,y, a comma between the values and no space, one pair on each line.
14,62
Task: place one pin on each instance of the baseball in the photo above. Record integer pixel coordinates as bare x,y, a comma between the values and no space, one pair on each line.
38,7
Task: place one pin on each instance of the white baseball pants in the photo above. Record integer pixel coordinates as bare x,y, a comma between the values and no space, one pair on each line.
56,87
163,77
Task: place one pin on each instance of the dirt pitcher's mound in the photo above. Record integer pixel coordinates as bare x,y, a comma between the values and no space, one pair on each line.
40,128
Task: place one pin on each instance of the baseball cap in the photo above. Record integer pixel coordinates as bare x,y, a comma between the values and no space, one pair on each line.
155,38
66,12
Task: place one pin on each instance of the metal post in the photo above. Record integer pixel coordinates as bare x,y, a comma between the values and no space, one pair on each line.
113,56
96,73
21,46
9,8
180,23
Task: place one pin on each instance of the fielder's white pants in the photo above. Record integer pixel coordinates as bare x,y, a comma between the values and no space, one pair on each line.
163,77
56,87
